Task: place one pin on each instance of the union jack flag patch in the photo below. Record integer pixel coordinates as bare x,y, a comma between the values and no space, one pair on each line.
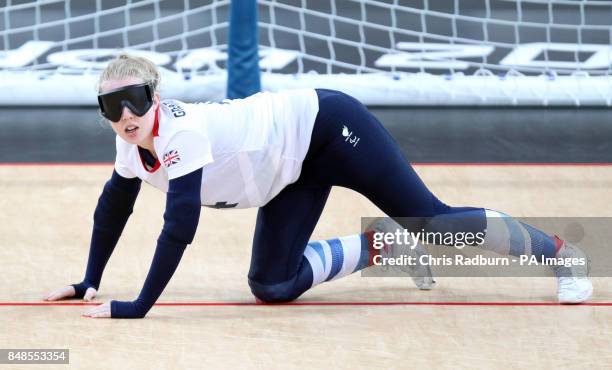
171,157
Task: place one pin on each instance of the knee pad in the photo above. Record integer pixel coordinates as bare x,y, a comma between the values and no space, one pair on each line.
286,291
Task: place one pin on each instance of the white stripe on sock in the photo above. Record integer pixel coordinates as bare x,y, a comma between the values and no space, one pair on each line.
497,238
318,273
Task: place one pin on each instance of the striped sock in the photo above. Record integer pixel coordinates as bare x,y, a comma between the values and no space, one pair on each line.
507,236
334,258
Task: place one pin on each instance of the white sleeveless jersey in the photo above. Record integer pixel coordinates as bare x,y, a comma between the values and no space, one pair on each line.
249,149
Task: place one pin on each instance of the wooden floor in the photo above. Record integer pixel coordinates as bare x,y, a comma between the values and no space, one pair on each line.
46,221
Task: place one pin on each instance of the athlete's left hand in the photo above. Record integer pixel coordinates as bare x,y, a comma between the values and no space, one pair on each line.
101,311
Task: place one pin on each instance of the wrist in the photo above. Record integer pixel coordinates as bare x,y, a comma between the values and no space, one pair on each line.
128,309
81,288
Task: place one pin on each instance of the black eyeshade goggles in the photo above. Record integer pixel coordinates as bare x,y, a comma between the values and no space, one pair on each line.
137,98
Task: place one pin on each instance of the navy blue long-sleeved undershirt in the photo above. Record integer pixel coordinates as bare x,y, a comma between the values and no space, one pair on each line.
181,219
115,206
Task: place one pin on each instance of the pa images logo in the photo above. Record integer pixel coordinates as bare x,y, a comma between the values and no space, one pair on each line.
171,158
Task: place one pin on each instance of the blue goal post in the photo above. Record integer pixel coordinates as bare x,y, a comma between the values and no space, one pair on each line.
243,78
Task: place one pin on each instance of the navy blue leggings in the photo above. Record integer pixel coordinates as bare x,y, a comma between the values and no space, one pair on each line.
349,148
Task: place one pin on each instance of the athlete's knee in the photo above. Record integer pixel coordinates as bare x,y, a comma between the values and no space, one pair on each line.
286,291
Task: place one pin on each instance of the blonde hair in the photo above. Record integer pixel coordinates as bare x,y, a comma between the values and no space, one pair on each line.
126,65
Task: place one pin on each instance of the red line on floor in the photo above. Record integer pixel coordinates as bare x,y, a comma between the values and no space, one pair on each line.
340,303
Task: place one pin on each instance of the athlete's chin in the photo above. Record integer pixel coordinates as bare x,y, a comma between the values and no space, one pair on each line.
132,139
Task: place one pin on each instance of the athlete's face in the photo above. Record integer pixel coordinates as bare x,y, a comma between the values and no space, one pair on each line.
131,128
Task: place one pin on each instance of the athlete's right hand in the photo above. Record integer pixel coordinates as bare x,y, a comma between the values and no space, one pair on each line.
69,292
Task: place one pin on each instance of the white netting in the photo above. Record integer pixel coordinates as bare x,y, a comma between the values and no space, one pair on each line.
473,52
526,52
53,50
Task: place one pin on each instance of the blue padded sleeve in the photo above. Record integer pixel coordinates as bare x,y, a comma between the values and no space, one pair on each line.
115,206
181,219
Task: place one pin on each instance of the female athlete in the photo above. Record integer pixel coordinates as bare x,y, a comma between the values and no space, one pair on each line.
281,152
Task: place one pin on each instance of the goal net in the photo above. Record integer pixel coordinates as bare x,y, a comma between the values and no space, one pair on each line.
391,52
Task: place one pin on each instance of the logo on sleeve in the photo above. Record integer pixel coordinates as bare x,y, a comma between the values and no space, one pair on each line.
171,157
